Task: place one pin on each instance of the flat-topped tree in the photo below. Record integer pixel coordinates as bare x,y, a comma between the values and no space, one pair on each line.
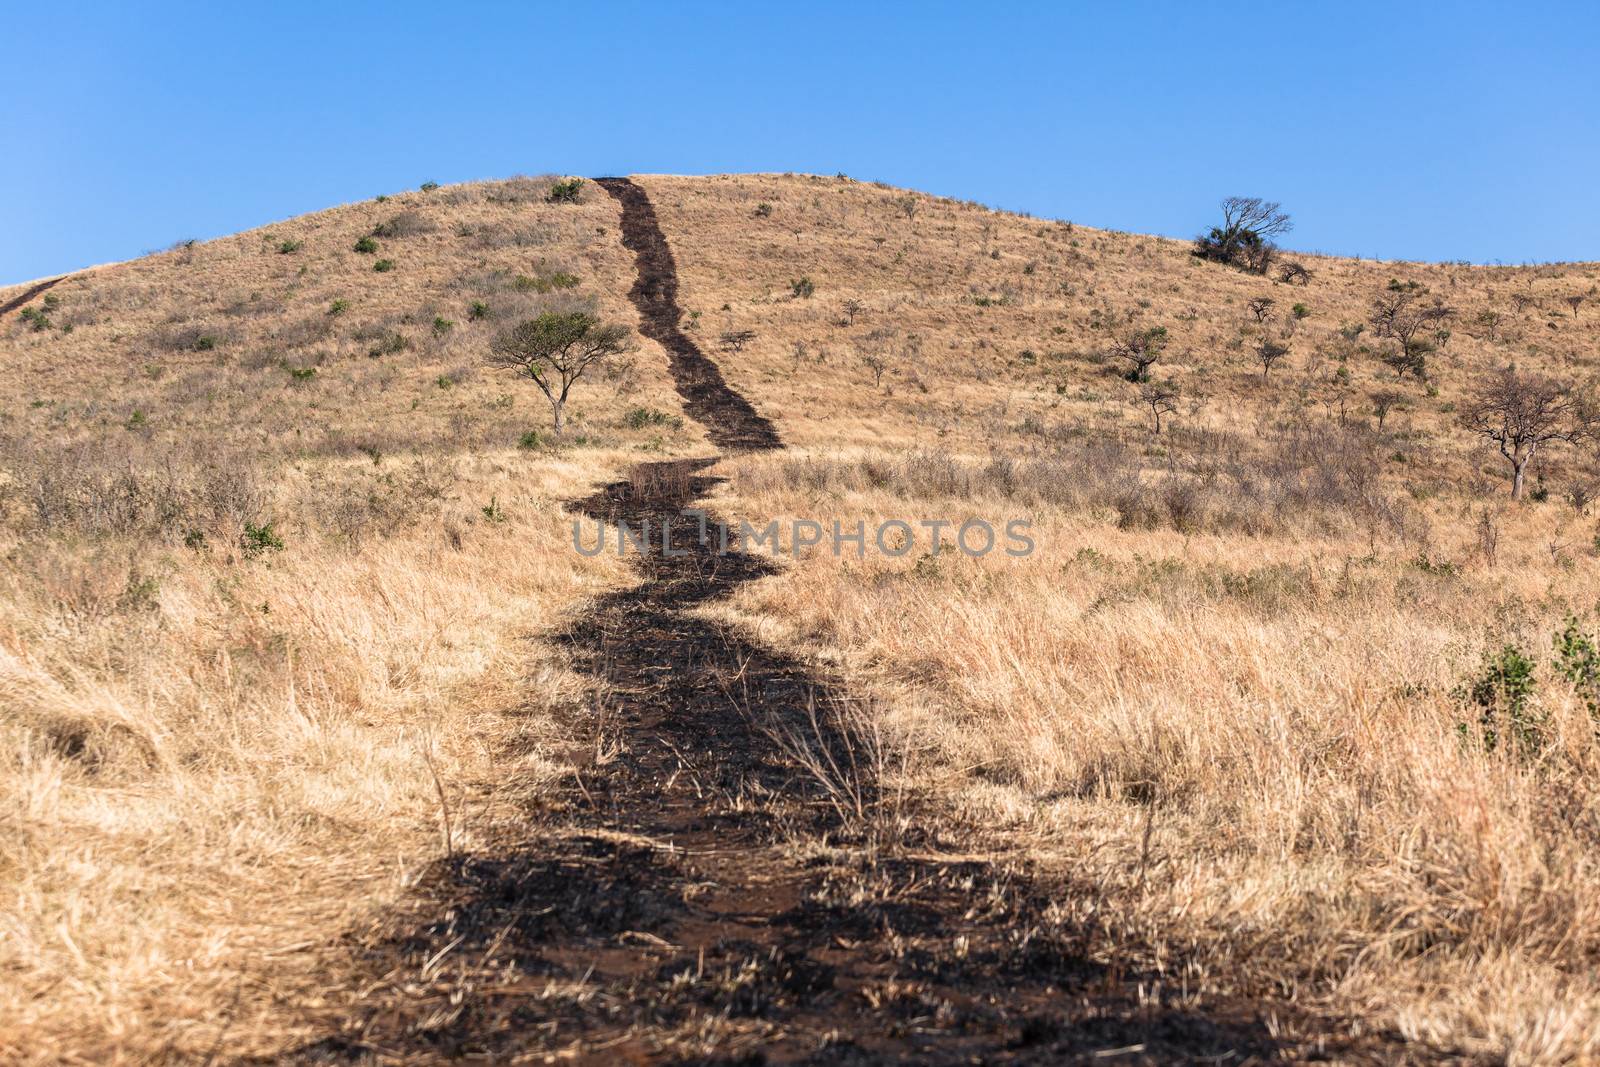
1140,349
1521,412
555,350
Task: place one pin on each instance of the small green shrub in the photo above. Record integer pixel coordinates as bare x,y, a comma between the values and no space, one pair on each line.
493,511
302,374
530,440
338,307
383,266
256,540
639,418
802,288
390,345
1578,661
367,245
429,187
442,325
478,311
763,210
1300,311
544,283
565,192
286,248
205,343
1503,692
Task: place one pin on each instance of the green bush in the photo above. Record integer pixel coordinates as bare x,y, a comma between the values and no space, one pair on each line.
429,187
289,247
390,345
530,440
802,288
256,540
338,307
1503,693
302,374
367,245
478,311
565,192
1578,661
639,418
442,325
383,266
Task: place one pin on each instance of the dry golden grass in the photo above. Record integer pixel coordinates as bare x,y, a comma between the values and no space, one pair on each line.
1222,687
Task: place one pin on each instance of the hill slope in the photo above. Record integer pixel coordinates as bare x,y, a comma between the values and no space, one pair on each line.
288,572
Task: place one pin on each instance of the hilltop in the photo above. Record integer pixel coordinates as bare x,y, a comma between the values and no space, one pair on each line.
1291,713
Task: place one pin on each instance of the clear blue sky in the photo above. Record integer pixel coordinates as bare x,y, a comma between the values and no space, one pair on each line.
1464,131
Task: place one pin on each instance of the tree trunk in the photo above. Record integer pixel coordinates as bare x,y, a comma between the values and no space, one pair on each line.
559,411
1518,466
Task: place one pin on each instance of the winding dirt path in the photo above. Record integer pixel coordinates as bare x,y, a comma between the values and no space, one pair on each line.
718,881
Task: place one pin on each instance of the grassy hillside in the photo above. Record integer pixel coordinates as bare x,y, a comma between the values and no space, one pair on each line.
283,560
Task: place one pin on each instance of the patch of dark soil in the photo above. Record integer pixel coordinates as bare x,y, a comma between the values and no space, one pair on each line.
730,420
28,294
720,881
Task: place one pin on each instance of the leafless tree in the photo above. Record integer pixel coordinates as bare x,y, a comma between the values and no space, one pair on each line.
875,363
1521,301
908,206
1260,306
1269,354
1574,302
1141,349
1161,399
735,340
1520,413
555,350
852,308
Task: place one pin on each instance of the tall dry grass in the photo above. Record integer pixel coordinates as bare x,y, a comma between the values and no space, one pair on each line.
1252,733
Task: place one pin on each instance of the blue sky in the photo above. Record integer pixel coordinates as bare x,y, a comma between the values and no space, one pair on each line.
1463,131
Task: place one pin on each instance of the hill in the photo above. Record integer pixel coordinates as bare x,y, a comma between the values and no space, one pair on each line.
1290,711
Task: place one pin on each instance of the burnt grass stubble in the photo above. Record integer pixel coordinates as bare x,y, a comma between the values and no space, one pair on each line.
719,880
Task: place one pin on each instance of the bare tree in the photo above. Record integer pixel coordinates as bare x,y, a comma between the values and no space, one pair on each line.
1245,237
1260,306
877,364
1269,354
735,340
1140,348
852,308
908,206
1521,301
1161,399
555,350
1574,302
1521,413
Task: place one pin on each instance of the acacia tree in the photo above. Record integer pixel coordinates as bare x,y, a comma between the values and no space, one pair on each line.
1140,348
1260,306
1245,237
1399,314
1161,399
555,350
1269,354
1385,401
1521,413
